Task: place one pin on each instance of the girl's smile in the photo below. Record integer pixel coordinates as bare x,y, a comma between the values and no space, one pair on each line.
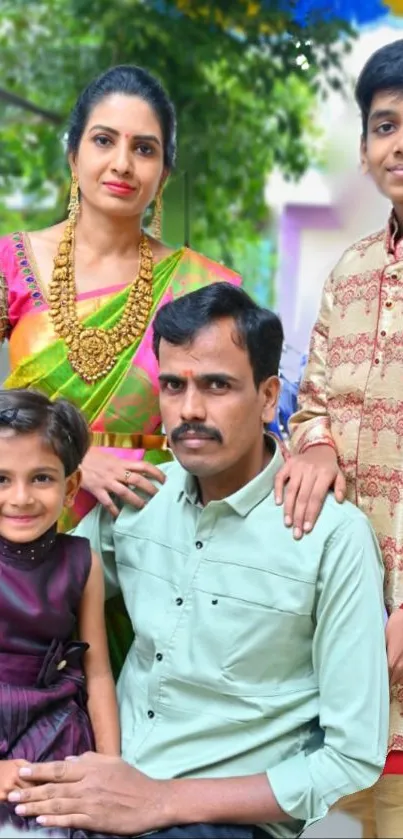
33,486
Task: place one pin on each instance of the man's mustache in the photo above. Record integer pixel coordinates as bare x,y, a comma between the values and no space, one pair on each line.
196,428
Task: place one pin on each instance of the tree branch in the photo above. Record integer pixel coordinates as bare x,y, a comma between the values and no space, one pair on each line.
13,99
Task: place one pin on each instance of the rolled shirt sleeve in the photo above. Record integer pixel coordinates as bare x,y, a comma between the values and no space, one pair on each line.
349,658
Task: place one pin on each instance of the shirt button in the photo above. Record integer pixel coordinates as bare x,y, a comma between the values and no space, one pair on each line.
394,276
179,601
388,304
383,333
150,714
377,361
199,545
159,656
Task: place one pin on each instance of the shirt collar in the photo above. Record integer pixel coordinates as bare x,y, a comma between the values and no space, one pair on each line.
249,496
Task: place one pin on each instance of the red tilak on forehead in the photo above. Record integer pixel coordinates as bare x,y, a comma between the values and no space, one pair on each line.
187,374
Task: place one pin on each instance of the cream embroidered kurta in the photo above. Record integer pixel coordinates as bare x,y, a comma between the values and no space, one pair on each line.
352,393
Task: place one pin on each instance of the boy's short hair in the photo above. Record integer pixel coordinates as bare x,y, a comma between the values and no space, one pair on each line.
382,72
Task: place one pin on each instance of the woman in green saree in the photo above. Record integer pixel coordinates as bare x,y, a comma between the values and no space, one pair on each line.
78,299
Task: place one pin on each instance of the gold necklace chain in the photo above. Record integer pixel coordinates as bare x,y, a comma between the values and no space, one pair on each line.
93,352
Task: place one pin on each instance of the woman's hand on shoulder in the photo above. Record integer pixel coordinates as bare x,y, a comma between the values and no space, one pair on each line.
105,475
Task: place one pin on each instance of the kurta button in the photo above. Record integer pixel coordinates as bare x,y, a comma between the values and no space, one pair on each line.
394,276
377,361
199,545
383,333
159,656
388,304
150,714
179,601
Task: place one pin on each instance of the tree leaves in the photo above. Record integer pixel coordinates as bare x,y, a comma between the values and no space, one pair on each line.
242,74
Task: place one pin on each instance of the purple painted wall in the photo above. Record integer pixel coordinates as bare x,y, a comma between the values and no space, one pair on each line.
294,219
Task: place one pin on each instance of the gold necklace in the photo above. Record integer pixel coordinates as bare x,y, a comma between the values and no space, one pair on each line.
92,352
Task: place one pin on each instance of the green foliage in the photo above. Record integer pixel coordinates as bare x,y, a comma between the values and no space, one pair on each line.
242,77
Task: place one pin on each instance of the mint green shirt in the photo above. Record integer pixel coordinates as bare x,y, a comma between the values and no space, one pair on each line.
253,652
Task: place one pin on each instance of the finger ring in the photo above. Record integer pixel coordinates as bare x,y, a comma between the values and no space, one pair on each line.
128,475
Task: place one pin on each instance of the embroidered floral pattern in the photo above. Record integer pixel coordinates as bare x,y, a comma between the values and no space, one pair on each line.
357,288
377,415
362,246
27,270
4,322
392,553
354,349
393,351
353,389
381,482
384,415
345,408
310,390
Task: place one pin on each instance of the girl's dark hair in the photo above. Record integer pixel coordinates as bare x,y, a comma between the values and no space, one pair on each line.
382,73
131,81
60,425
259,331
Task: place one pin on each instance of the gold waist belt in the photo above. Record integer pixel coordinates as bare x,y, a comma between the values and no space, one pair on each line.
110,440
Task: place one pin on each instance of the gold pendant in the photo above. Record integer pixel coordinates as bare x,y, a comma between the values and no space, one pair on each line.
91,354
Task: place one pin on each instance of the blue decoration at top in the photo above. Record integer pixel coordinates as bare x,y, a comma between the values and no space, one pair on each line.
358,12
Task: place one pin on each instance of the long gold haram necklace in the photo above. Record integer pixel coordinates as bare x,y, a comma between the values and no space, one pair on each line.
92,352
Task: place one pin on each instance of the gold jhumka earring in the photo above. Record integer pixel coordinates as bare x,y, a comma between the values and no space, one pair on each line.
74,202
156,223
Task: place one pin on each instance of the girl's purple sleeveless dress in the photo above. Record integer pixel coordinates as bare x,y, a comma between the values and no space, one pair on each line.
42,687
43,712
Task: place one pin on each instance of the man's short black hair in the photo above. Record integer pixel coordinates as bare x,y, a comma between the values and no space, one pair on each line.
258,330
383,72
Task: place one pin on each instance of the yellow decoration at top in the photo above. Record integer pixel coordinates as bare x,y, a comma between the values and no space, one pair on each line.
395,6
252,8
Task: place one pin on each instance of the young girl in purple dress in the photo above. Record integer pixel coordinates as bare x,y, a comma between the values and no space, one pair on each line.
57,695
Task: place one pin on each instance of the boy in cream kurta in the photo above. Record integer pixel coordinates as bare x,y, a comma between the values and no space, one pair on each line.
348,432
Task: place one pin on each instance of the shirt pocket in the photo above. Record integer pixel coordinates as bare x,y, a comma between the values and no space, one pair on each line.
259,628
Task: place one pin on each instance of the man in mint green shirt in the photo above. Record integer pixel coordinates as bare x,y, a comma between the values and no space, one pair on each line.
255,694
